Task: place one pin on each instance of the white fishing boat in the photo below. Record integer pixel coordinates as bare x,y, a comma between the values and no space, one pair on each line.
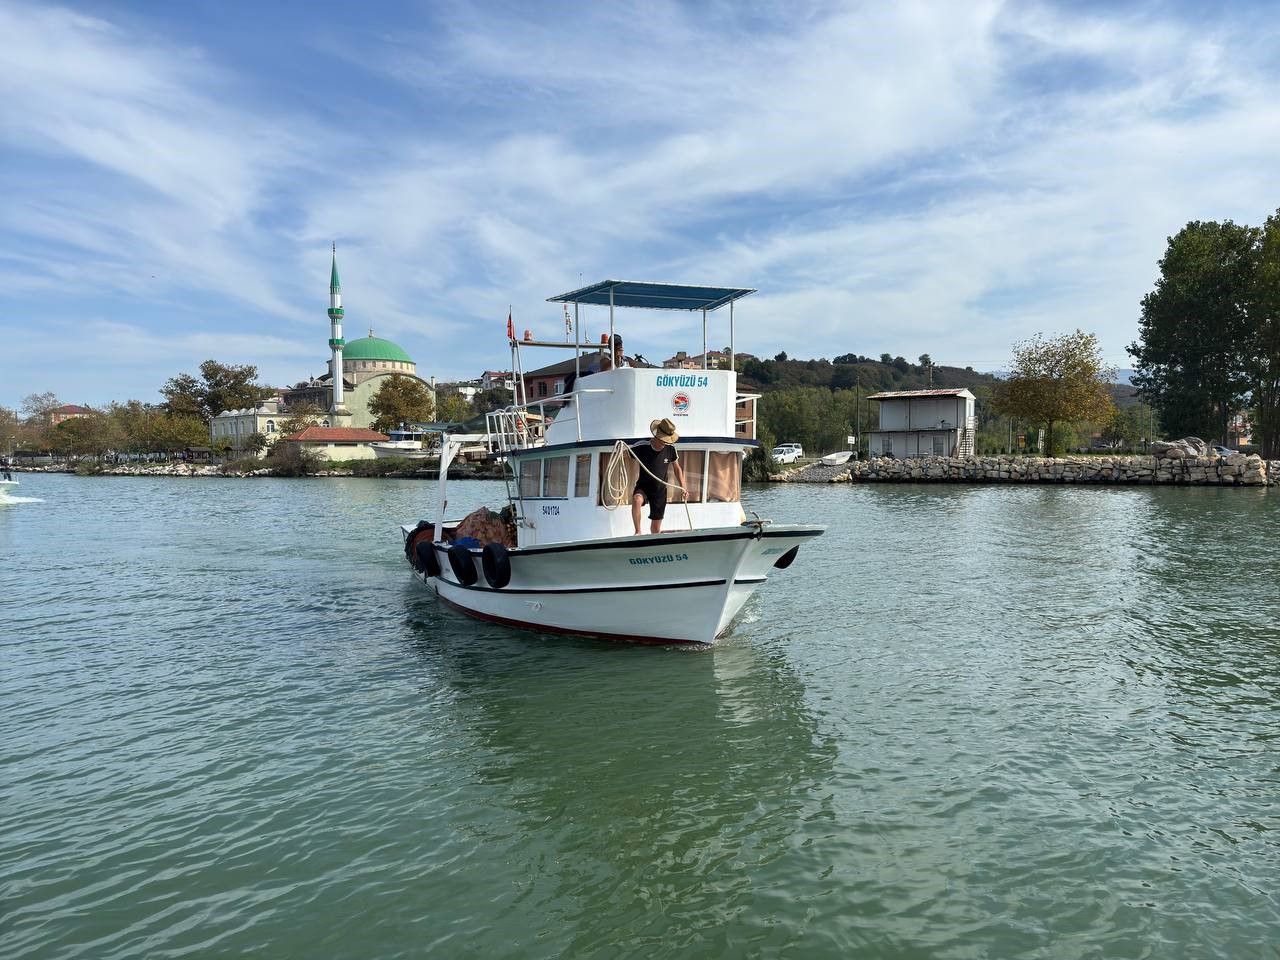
565,557
406,442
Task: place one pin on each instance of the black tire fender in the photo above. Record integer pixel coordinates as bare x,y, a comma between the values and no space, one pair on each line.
497,565
787,558
413,539
428,562
464,568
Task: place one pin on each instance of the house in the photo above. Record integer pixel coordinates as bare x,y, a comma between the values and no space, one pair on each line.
1239,430
234,427
496,380
338,443
68,411
924,423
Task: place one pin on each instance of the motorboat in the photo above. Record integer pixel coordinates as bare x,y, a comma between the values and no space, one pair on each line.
405,442
835,459
8,486
562,555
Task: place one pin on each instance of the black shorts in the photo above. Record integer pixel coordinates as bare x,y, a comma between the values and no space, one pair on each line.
655,496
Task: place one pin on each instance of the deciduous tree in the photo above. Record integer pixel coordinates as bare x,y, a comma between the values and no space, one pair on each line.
221,387
1263,356
1062,379
1194,331
399,400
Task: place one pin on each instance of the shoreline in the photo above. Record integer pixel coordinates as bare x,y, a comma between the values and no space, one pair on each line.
1237,470
188,470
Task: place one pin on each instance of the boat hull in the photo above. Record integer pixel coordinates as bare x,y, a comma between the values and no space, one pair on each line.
663,588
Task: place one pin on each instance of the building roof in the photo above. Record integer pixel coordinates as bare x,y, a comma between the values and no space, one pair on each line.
374,348
71,408
315,434
653,296
917,394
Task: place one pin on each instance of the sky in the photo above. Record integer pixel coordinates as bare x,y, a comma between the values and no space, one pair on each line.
918,177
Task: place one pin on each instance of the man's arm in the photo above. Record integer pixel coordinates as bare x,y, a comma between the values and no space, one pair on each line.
680,477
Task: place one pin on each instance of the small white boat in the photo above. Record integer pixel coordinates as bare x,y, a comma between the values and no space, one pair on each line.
573,563
405,443
835,459
8,487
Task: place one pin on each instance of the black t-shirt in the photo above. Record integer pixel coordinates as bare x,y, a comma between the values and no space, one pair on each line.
655,461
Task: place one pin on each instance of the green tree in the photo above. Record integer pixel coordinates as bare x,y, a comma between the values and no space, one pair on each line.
399,400
453,408
1263,354
300,416
257,442
494,399
1194,330
171,433
221,387
1062,379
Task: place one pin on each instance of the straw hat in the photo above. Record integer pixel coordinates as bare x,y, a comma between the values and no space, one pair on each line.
664,430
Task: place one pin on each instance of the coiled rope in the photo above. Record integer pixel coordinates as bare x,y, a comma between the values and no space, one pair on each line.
618,490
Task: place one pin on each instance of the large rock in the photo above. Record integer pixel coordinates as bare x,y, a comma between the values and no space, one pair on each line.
1186,448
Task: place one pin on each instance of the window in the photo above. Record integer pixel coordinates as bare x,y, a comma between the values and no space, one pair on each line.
724,477
559,387
271,426
530,478
555,477
620,493
937,446
542,388
582,475
694,464
325,423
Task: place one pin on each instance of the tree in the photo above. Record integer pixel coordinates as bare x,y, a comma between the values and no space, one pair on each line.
38,405
1263,353
399,400
886,358
926,360
170,432
492,399
300,417
1058,380
453,408
1193,333
256,442
221,387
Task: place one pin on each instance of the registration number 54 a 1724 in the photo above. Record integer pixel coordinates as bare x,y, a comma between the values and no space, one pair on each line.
659,558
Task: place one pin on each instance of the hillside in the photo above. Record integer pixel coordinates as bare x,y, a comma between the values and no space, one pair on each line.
850,370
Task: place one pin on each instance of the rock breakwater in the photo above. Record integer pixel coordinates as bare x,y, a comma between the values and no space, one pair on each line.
1235,470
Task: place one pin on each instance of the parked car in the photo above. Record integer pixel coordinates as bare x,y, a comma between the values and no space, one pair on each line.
796,447
786,453
1223,451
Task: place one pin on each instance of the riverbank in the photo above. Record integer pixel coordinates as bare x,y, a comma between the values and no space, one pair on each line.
457,471
1236,470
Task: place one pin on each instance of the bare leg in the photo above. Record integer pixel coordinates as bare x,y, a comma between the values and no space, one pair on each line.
637,499
655,526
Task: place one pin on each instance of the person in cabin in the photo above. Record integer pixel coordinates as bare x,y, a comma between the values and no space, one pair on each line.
655,457
606,359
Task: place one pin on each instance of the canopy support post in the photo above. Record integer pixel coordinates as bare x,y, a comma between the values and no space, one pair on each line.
704,338
731,363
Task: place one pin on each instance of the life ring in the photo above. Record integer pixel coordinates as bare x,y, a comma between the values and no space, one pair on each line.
787,558
428,562
464,569
497,565
424,529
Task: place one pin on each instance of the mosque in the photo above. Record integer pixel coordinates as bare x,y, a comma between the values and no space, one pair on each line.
365,364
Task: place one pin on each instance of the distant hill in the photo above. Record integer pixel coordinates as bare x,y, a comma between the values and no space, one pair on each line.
851,371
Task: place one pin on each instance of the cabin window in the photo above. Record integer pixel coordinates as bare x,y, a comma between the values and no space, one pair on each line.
694,464
530,478
582,475
620,495
724,477
555,477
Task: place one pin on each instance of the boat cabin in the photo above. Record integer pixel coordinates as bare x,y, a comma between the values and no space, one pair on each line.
570,475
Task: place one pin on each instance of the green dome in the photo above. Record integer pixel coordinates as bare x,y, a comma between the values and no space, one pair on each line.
374,348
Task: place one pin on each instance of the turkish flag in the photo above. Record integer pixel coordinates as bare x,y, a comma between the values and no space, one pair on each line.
511,330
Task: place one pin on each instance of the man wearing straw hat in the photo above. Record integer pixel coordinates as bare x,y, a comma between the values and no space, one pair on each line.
651,485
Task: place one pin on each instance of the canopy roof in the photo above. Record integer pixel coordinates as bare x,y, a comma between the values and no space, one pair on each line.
653,296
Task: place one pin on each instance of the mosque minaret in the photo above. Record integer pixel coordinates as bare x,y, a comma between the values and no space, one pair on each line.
336,343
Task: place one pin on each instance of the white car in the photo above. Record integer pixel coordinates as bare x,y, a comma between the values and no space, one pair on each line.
787,453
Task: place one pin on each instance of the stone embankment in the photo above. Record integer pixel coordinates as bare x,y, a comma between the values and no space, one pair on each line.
1235,470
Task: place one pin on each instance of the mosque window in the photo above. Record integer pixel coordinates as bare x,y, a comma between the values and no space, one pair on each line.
271,426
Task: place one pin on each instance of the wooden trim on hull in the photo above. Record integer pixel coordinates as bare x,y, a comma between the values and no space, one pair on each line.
566,631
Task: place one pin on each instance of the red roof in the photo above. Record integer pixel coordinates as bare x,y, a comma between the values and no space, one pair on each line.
336,435
906,394
71,408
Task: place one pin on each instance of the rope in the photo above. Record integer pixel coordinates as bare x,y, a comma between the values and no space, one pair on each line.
618,490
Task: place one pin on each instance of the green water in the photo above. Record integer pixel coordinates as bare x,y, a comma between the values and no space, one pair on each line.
967,722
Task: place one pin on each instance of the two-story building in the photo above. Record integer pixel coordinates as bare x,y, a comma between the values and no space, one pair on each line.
924,423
